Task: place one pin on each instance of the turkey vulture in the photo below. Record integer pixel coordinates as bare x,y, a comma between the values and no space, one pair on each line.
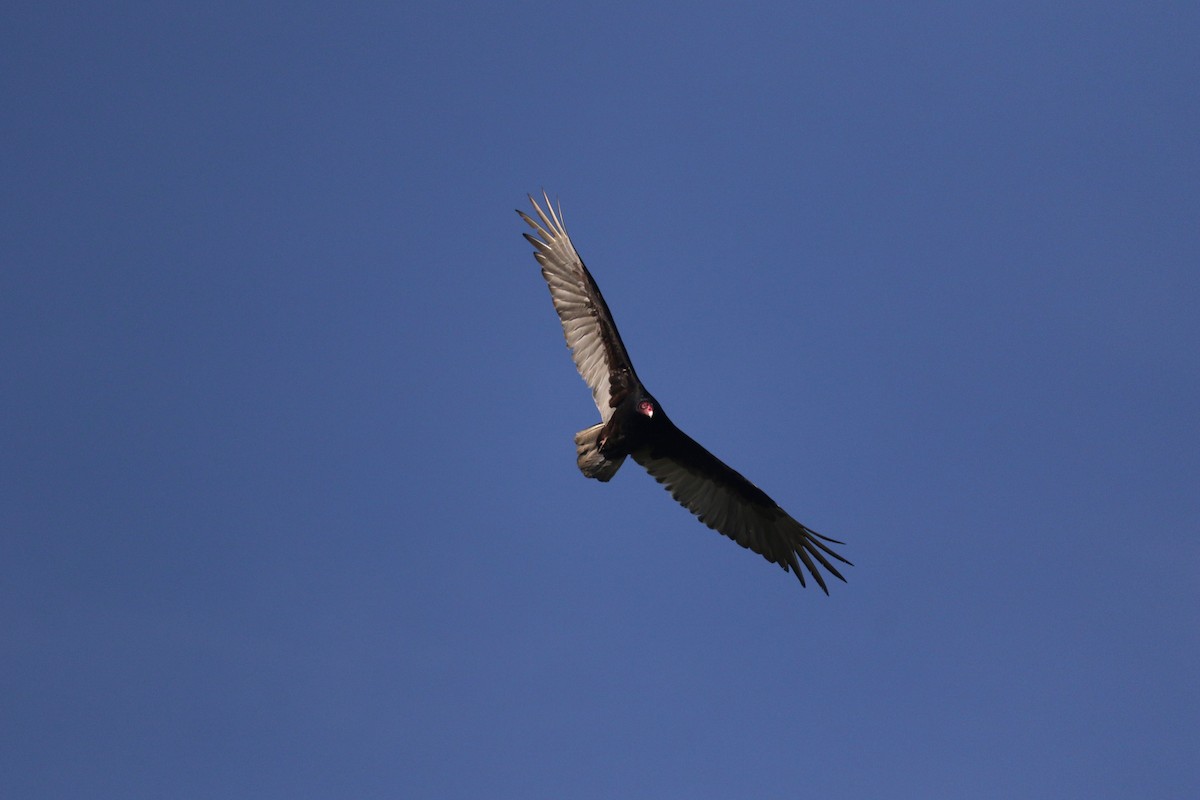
632,423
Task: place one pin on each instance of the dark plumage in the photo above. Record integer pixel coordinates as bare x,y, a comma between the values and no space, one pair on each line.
632,423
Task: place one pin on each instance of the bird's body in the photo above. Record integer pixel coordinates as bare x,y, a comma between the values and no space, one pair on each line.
633,424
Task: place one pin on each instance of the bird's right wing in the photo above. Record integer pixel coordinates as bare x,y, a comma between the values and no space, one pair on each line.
728,503
587,323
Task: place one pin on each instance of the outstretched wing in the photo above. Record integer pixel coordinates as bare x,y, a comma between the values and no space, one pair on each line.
732,505
587,323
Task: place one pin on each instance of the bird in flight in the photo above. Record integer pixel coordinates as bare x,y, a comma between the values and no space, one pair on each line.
633,424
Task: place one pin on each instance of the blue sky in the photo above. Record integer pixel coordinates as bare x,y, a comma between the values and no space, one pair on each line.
289,502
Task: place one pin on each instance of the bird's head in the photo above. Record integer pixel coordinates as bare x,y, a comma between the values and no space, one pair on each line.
645,407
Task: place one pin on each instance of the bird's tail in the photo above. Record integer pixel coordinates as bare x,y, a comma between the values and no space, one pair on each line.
592,462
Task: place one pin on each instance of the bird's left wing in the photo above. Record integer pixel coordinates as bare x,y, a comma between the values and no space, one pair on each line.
728,503
587,323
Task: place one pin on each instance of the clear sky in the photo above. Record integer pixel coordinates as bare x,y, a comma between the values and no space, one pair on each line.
289,498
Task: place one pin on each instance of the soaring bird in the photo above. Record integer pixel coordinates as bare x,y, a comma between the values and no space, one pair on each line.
632,423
